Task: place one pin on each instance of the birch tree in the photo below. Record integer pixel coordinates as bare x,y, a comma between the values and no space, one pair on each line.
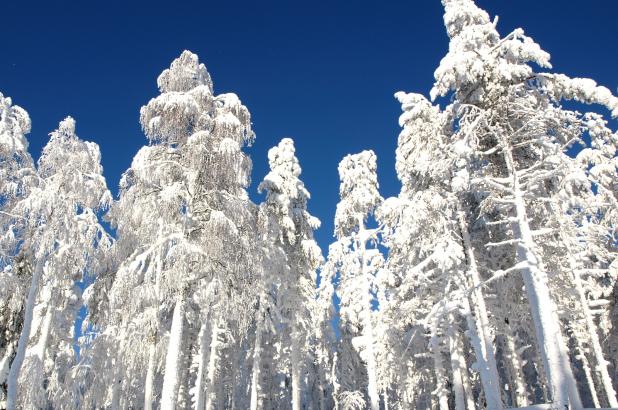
183,222
63,234
17,175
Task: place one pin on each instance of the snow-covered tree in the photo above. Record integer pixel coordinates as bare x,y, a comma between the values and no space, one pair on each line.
227,227
514,137
610,347
17,174
499,289
62,234
355,259
430,267
291,227
183,222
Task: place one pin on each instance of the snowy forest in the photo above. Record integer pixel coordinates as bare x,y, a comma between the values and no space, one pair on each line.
490,280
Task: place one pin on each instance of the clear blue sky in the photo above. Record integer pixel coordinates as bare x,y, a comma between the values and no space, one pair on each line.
323,73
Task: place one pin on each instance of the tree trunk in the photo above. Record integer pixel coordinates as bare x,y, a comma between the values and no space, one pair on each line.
4,363
211,393
456,368
461,383
41,346
550,342
255,371
385,395
581,353
148,388
335,382
485,355
514,368
116,384
13,379
173,358
441,390
200,390
601,363
296,390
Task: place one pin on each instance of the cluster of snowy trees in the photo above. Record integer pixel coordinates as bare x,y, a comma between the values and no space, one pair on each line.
490,281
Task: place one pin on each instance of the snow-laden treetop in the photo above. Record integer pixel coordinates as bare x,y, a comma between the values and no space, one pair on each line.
187,106
79,163
477,54
184,104
184,74
286,193
358,191
282,158
14,124
480,63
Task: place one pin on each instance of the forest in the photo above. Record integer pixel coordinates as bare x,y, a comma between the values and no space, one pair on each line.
489,282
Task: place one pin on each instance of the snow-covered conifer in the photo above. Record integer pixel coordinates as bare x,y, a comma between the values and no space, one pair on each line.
291,228
514,139
357,260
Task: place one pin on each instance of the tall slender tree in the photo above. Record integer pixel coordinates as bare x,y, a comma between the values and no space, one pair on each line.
292,229
357,260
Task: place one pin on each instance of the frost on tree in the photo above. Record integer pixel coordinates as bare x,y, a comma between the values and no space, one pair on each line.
425,306
289,227
17,175
499,288
62,238
532,201
184,227
355,258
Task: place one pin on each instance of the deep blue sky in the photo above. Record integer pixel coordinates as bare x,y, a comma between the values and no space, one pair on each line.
323,73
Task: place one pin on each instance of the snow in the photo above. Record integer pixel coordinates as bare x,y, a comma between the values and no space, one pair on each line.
489,280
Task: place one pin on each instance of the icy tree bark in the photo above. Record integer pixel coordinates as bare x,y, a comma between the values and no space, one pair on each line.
4,363
255,371
211,393
601,363
200,390
148,387
12,381
150,372
441,390
41,346
461,381
457,367
581,354
173,358
296,358
321,404
116,385
333,377
552,349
